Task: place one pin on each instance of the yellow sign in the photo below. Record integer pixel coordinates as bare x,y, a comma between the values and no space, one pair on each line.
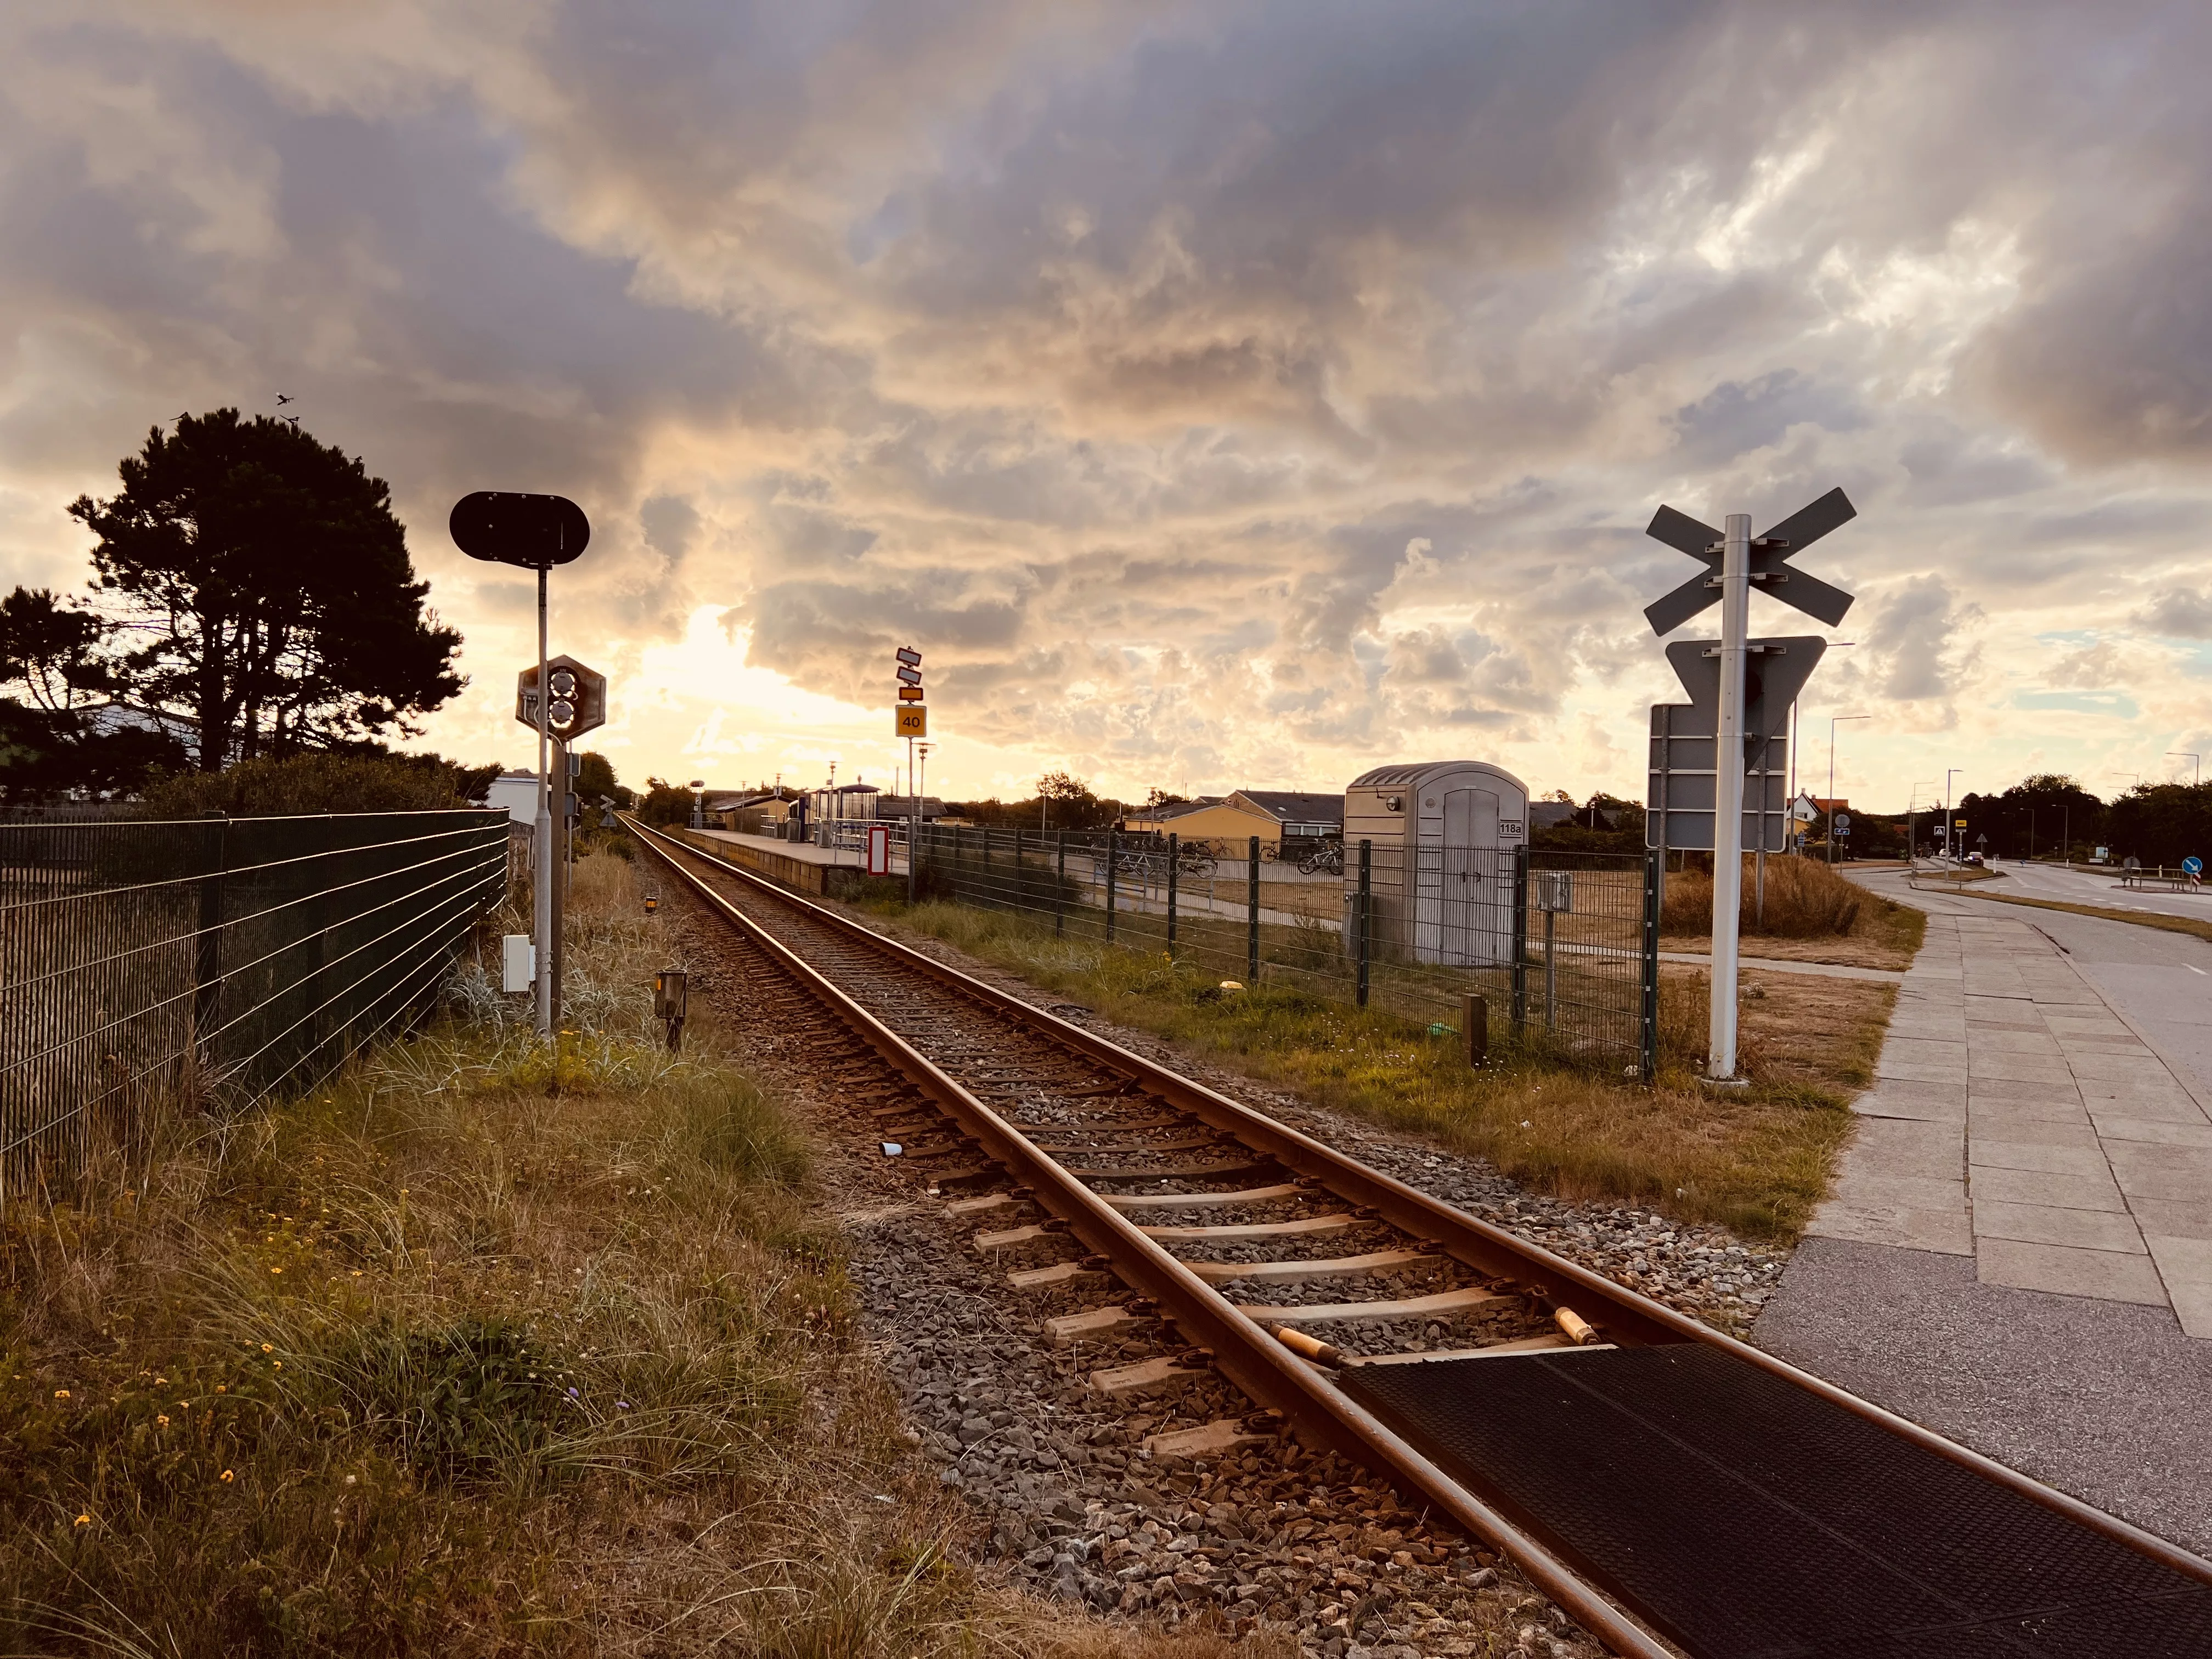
1961,822
912,722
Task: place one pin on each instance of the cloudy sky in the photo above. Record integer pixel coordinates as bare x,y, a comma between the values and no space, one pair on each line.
1218,394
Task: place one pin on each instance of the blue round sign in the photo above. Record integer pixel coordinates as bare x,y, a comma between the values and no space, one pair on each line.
2194,864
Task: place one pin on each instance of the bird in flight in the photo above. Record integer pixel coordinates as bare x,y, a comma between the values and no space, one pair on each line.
282,400
294,420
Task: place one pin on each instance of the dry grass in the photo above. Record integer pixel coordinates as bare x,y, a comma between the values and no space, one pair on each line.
480,1349
1758,1159
1811,914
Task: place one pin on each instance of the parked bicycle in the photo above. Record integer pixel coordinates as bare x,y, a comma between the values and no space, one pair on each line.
1327,860
1147,864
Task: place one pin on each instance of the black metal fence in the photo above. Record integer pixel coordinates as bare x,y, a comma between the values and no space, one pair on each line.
229,957
1562,947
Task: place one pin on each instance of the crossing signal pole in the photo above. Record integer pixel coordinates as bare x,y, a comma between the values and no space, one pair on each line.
1741,708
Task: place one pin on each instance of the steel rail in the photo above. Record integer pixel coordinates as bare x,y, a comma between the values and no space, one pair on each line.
1625,1313
1261,1368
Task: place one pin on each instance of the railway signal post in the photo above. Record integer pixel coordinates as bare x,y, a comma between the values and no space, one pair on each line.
535,532
910,720
1740,690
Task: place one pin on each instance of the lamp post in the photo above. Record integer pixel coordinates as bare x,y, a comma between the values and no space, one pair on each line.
1912,817
1833,721
1950,847
2196,765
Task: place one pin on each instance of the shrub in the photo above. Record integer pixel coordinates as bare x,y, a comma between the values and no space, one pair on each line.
1805,899
319,782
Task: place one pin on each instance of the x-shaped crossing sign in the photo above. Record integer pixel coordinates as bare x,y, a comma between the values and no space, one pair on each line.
1770,563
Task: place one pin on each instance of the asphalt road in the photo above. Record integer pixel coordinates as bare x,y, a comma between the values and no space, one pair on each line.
2099,887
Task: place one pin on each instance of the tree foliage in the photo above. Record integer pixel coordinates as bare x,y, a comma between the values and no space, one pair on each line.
59,734
664,803
2030,817
266,591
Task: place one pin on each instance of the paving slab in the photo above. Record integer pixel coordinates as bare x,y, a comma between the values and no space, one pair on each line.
2053,1309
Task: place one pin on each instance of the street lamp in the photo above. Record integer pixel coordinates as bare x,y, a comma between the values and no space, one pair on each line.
1832,722
1950,848
1912,817
2196,770
698,802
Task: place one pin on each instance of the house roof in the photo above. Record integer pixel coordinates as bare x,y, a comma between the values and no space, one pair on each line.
1173,809
1295,806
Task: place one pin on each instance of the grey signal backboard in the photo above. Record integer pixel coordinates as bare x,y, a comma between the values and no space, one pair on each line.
1679,804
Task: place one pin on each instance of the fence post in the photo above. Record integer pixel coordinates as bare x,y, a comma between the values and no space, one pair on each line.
1655,864
1060,887
1252,916
207,954
1365,911
1175,860
1521,939
1475,1027
1112,849
1017,870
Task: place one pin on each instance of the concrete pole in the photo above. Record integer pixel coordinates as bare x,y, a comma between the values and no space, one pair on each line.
1728,796
543,920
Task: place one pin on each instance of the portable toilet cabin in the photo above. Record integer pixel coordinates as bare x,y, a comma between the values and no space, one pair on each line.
1443,835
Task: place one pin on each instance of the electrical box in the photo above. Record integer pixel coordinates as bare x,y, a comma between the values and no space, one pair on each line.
517,962
1443,835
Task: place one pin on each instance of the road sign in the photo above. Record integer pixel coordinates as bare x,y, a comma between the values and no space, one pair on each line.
1680,793
909,676
2192,866
1768,572
911,694
534,531
1842,824
579,698
1959,822
1774,672
879,849
912,722
910,656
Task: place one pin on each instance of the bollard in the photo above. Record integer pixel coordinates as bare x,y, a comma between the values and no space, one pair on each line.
1252,909
1175,860
672,994
1474,1022
1112,848
1365,911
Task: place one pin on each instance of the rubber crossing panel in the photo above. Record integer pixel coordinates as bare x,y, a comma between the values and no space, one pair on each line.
1745,1517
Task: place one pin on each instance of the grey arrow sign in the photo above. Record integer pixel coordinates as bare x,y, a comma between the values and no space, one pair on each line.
1770,567
1774,672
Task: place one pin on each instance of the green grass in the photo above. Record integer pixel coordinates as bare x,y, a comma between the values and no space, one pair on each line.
1757,1160
480,1349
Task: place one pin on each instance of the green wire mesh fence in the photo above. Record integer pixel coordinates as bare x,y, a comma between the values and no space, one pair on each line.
234,957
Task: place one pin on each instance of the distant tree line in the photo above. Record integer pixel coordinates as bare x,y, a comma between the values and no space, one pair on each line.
2155,823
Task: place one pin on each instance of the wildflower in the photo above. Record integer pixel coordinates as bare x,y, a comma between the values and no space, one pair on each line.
265,1348
275,1270
61,1394
84,1520
351,1478
226,1477
162,1418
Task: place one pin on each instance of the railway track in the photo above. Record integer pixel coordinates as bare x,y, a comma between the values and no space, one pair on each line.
1600,1440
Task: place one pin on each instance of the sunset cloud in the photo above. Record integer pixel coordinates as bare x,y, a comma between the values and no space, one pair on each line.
1234,395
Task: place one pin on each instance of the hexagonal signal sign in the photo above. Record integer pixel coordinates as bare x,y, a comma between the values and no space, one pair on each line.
579,698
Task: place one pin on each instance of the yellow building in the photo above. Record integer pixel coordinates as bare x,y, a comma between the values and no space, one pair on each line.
1228,822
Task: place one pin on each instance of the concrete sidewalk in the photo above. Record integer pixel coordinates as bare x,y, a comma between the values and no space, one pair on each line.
2017,1251
2019,1118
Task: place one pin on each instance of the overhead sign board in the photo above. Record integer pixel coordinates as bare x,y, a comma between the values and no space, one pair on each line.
912,722
507,527
1682,787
